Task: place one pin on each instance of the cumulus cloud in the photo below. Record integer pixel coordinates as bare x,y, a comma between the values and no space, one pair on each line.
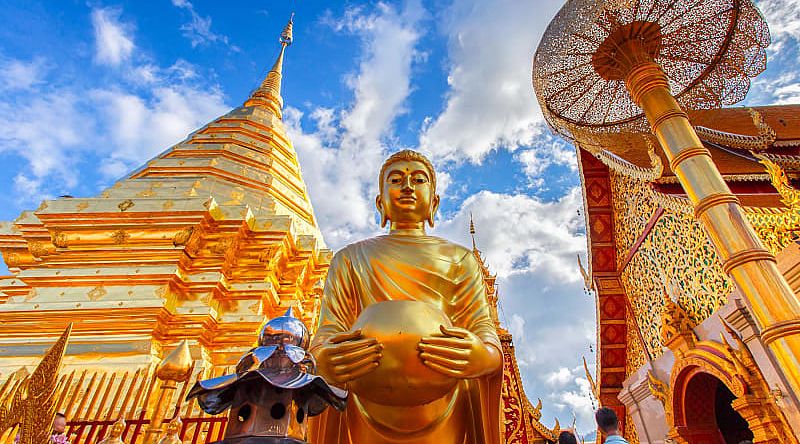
198,29
342,150
524,233
139,127
781,16
113,41
54,123
531,244
780,84
42,127
21,74
490,102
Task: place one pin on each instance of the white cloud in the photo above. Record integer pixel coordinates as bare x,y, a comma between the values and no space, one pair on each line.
140,127
521,233
531,244
114,44
54,123
19,74
342,155
780,84
490,102
42,127
781,16
198,30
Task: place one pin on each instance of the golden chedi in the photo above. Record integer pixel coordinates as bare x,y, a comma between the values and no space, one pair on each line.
442,332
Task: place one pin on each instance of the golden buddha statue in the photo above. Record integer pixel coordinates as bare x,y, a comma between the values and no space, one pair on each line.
172,435
405,326
115,435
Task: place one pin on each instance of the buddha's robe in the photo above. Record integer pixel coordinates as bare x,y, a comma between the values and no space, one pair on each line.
419,268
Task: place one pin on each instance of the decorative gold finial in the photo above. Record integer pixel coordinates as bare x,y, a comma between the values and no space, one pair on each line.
472,231
177,366
268,95
286,35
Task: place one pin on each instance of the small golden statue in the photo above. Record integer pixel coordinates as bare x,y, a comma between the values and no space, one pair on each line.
115,435
172,435
405,326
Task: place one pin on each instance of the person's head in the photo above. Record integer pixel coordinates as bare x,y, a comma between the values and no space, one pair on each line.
567,437
607,420
59,423
407,194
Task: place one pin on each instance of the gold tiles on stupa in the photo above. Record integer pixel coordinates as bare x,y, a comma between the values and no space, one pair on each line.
201,243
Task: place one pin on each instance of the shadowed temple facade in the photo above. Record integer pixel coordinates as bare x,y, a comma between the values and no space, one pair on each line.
177,266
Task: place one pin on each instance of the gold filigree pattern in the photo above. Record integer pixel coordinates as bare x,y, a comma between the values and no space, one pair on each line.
633,208
676,253
630,431
775,226
635,357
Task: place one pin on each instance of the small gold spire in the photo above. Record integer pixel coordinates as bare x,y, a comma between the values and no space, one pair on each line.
472,231
177,366
269,93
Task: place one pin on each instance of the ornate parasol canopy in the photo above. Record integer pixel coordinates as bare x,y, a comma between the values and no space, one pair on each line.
709,50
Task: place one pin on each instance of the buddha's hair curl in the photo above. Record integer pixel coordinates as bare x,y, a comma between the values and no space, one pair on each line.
408,155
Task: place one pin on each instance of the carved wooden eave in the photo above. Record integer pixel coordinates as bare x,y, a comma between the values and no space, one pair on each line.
612,302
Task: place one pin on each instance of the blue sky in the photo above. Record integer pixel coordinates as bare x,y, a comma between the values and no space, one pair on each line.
90,90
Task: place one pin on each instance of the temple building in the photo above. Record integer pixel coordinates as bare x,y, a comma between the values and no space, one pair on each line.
202,244
680,357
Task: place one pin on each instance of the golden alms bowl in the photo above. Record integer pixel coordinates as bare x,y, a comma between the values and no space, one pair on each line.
401,378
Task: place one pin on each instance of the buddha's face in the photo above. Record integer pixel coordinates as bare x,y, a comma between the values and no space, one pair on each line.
407,196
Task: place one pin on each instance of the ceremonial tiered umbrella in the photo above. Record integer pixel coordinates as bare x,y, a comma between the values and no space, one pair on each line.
614,66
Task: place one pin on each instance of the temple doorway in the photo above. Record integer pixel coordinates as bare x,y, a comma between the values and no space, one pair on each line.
708,414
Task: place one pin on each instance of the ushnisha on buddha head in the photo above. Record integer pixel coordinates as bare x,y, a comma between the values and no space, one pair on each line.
407,196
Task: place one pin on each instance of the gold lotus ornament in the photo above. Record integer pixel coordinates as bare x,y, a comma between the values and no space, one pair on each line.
402,379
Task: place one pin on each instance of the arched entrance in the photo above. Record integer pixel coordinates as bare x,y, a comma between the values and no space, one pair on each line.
706,414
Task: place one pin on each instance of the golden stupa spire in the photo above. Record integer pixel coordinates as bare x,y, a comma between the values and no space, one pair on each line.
269,93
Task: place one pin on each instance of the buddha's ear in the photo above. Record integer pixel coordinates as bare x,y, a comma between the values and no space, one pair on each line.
381,211
434,209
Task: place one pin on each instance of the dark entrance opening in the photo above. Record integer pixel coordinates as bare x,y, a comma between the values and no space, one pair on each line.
710,417
731,425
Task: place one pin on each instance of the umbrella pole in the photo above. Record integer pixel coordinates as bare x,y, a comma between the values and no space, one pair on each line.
744,258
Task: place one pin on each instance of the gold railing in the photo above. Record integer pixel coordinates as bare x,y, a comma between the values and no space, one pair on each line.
93,401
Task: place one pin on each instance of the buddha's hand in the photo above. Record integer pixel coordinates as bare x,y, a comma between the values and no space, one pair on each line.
346,356
459,353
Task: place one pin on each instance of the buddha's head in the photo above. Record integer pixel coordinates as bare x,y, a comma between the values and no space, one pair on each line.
174,426
407,197
117,429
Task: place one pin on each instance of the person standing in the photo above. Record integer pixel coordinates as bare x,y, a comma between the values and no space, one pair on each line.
59,430
608,423
567,437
